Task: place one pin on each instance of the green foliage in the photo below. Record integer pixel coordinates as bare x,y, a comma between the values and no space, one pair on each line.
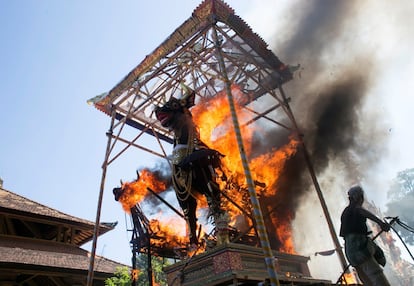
157,269
122,277
401,202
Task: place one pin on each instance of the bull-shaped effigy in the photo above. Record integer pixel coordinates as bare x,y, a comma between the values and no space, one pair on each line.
194,164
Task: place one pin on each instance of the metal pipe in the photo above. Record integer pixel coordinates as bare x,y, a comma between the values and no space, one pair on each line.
89,279
257,212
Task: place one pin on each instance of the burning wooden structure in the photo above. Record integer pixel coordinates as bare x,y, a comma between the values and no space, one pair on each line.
238,85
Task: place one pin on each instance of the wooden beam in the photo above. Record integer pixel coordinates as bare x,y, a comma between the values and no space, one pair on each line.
10,226
58,234
2,225
27,280
72,235
65,234
56,280
33,229
31,283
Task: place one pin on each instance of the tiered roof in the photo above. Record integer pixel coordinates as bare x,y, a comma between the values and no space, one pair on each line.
41,244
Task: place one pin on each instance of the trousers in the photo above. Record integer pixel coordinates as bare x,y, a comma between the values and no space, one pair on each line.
360,251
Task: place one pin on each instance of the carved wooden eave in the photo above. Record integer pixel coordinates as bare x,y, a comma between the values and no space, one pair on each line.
20,216
40,245
190,55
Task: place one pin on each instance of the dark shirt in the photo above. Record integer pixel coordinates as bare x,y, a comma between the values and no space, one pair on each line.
352,221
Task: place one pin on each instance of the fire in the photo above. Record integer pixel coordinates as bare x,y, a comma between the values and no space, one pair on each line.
167,233
284,233
213,118
350,278
267,168
216,129
136,191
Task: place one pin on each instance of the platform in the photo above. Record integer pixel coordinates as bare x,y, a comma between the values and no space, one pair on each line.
237,264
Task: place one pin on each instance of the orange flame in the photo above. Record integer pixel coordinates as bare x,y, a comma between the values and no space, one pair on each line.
213,118
350,278
216,130
167,234
136,191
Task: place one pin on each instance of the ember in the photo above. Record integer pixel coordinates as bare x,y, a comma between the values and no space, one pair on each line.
350,279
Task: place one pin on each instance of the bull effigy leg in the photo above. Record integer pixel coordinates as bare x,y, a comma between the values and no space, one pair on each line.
210,189
182,184
189,206
213,198
190,215
220,217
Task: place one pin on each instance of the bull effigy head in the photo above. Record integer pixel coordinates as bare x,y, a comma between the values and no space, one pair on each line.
167,113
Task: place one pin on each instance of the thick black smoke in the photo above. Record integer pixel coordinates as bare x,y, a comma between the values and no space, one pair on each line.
327,101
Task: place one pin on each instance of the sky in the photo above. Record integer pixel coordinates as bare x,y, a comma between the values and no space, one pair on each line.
55,55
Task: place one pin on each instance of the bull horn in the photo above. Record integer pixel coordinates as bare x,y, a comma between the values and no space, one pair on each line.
188,98
187,91
137,175
121,182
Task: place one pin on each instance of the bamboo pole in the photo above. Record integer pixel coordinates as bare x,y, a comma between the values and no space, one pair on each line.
89,280
309,164
257,212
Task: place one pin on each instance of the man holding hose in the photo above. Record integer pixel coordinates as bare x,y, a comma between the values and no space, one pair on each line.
361,251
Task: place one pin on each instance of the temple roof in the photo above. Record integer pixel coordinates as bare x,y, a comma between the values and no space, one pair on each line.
28,254
41,245
31,219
